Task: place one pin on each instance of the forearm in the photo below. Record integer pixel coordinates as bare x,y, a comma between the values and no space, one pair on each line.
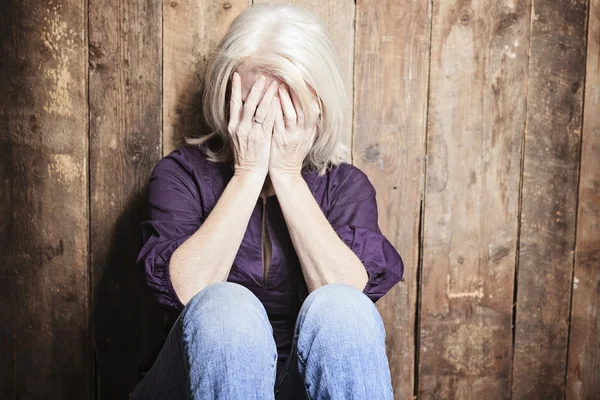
206,257
323,256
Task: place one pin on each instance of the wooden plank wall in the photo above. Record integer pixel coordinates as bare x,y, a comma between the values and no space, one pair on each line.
477,122
476,113
125,99
551,156
391,74
45,346
583,373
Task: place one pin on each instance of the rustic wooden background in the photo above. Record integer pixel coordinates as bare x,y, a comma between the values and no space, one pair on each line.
478,122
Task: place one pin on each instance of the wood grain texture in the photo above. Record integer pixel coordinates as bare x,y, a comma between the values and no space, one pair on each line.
583,375
549,195
44,344
125,130
390,102
338,18
191,30
475,120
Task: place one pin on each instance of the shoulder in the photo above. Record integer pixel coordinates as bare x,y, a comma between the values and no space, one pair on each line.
187,169
346,176
347,183
184,162
347,170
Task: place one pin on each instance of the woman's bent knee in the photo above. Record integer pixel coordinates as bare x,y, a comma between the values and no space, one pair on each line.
344,307
221,296
225,312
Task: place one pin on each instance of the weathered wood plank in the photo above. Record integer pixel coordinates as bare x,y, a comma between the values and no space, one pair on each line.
583,375
549,195
475,120
125,131
191,30
338,18
45,346
391,74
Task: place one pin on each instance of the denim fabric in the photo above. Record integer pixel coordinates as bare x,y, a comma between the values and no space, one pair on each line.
222,347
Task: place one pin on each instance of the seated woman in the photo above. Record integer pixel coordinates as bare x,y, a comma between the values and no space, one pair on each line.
262,237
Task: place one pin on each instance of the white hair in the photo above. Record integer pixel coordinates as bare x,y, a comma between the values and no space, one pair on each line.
289,42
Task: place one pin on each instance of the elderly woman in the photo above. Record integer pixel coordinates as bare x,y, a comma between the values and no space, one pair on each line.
262,237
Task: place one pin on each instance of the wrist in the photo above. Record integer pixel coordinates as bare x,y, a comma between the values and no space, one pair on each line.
284,174
279,178
251,173
249,178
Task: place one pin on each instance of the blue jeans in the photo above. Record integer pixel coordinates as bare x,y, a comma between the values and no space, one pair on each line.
222,347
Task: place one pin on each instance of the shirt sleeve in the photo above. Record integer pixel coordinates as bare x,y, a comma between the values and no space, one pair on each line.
175,213
353,216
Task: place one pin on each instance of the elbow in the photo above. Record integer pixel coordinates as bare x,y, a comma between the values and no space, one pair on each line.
188,279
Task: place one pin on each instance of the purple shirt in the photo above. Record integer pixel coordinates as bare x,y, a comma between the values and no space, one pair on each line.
185,186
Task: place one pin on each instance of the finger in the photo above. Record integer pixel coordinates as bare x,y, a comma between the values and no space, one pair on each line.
271,115
279,123
235,101
252,101
289,114
263,107
299,113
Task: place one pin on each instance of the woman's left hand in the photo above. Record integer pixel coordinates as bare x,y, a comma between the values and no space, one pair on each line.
292,139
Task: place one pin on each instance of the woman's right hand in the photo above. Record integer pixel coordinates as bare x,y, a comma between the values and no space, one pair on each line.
251,140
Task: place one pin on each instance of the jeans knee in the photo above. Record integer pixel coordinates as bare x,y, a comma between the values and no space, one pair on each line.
219,296
224,313
344,308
